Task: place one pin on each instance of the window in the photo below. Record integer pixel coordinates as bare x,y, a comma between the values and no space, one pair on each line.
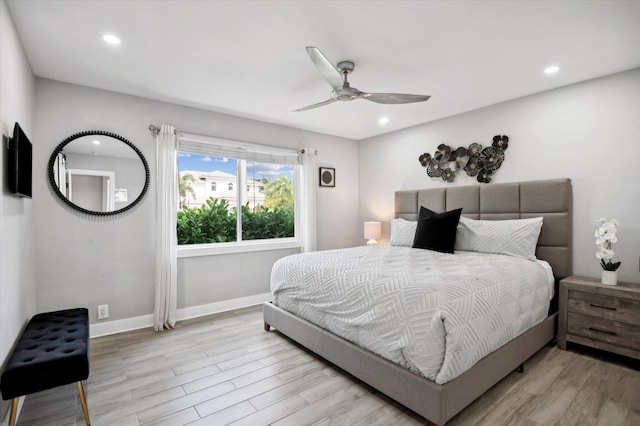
266,211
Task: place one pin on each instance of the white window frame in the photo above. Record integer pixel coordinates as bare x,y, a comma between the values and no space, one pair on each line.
245,246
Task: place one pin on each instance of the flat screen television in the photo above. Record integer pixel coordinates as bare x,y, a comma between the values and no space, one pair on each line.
19,163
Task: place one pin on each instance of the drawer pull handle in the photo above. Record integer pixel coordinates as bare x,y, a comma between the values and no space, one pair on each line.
602,307
602,331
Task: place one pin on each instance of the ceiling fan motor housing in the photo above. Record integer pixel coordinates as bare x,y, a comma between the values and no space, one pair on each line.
345,94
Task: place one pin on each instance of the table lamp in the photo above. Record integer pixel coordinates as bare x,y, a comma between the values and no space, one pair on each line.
372,231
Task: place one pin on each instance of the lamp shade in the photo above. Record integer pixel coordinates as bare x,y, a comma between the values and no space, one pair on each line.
372,230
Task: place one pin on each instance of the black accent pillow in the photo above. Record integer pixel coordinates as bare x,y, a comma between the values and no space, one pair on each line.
437,231
425,213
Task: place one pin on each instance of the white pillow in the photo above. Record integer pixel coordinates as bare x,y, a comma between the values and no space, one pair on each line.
402,232
511,237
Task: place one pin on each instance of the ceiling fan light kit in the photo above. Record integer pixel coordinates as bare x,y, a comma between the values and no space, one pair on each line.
342,90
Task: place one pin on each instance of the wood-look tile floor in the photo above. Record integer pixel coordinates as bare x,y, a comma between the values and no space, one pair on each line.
225,369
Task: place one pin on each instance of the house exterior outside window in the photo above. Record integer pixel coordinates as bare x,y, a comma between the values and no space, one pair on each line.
205,184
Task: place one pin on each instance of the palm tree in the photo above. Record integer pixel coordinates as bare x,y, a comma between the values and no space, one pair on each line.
184,187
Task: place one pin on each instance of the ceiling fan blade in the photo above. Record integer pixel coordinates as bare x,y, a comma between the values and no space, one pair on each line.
393,98
327,70
315,105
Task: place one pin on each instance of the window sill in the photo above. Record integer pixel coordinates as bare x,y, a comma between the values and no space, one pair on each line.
194,250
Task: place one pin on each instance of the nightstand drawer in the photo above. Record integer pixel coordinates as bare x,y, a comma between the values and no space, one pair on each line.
611,308
612,332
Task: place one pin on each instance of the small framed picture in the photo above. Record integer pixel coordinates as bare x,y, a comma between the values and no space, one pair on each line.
327,176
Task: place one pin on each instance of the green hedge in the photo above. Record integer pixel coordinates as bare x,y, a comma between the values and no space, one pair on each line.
213,222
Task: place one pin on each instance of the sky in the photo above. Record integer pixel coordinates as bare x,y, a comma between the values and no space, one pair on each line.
209,163
205,163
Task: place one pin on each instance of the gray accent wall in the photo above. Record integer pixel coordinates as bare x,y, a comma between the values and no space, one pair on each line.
226,276
587,132
85,261
17,254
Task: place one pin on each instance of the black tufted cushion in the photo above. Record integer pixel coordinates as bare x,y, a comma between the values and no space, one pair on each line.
52,351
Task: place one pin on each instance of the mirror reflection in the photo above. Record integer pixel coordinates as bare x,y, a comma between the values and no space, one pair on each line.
99,173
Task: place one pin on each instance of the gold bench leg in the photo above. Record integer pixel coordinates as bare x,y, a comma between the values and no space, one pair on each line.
83,401
14,411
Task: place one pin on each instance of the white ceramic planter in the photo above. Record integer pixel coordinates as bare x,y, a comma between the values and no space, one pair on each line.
609,277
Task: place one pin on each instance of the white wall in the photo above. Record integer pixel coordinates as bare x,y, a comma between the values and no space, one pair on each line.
86,262
589,132
17,254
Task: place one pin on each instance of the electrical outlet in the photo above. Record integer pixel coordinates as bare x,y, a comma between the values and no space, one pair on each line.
103,311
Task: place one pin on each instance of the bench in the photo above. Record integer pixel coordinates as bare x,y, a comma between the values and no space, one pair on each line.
52,351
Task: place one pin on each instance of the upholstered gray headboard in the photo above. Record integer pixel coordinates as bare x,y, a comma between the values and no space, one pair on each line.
551,199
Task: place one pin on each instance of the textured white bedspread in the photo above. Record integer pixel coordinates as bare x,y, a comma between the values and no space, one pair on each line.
434,313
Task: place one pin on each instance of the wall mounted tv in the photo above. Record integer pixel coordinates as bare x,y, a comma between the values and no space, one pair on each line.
19,163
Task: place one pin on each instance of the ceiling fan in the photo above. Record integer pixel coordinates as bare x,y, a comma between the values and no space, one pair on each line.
342,91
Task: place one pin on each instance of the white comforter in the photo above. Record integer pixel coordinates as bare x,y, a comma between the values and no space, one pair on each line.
434,313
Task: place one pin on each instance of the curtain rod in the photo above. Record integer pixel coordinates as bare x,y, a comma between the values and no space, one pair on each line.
155,130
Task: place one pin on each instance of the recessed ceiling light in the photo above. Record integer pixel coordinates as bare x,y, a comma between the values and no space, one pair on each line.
551,69
383,121
96,142
111,39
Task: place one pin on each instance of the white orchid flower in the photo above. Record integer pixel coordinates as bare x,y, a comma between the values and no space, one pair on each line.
605,236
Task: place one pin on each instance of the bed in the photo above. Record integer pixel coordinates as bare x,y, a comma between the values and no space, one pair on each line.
436,402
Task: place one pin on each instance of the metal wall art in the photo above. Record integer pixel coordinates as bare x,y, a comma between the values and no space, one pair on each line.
475,161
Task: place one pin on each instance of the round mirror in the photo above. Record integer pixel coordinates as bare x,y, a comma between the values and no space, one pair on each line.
98,173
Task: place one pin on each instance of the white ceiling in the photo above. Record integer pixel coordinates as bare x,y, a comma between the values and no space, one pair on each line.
248,58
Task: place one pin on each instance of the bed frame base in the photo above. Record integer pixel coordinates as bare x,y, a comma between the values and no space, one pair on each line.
436,403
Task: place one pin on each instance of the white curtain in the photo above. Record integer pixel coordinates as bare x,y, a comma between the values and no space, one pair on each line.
166,239
308,208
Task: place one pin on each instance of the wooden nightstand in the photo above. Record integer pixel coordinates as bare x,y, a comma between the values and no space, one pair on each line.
602,316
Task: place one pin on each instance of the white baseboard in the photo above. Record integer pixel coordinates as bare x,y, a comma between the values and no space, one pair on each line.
224,306
144,321
120,326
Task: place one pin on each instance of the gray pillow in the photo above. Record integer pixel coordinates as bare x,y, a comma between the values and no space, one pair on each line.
402,232
517,237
